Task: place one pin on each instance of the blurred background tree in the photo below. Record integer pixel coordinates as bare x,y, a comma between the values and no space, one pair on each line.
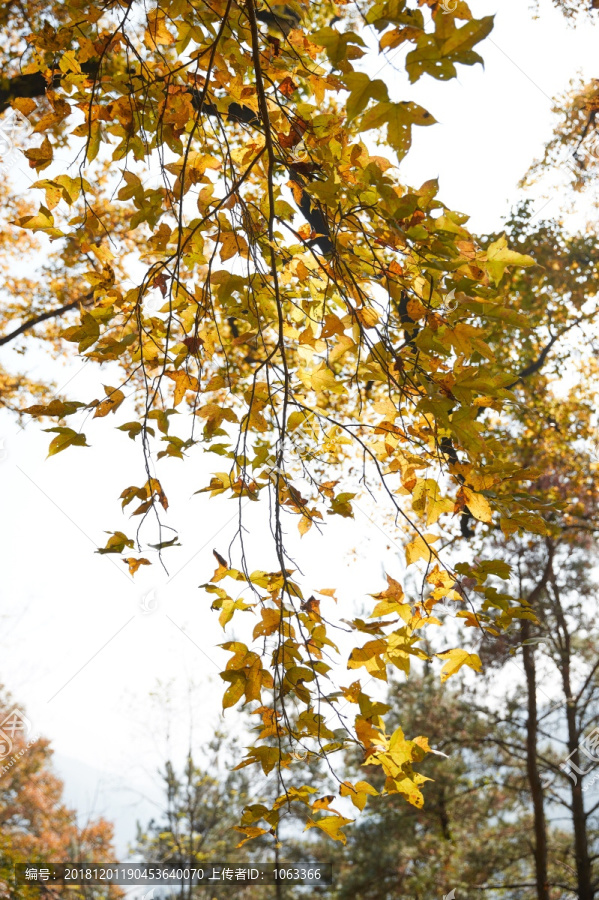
36,826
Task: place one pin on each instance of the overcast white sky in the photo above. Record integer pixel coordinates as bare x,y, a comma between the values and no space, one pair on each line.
77,648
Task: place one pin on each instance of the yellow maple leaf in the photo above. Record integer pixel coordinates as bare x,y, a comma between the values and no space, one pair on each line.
456,659
113,400
231,244
324,380
331,825
478,505
157,34
420,549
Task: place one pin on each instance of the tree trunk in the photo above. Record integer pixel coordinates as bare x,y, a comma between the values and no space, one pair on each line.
579,819
444,816
532,771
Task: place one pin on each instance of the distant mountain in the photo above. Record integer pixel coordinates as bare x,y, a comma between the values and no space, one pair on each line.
121,799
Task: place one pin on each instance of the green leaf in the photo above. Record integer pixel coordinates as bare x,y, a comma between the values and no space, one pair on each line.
174,542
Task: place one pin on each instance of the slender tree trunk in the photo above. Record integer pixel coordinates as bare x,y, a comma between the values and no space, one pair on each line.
444,817
532,771
579,819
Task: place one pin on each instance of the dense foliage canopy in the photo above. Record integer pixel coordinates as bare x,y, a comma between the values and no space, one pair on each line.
226,232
